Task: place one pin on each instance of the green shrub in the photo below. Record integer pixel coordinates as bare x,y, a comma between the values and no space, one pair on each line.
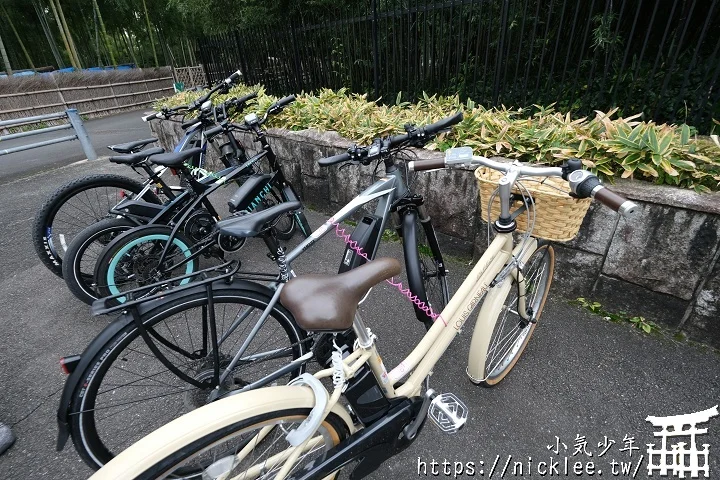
610,147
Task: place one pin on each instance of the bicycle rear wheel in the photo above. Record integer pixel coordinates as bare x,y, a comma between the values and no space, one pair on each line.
83,253
511,333
424,266
75,206
132,260
126,392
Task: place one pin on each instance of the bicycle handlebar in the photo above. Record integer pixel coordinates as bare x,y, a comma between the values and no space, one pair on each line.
583,184
415,136
340,158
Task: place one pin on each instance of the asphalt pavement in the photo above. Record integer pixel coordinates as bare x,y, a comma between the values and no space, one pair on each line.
582,380
102,131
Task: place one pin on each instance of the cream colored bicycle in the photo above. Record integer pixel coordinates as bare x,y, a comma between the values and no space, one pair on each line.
302,431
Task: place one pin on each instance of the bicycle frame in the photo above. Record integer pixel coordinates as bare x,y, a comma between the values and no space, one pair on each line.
385,190
489,277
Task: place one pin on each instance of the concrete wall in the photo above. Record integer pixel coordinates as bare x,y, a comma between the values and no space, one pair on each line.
662,265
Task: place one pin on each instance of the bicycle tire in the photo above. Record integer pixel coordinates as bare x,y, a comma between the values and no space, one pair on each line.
284,227
42,229
203,429
539,267
79,280
424,266
107,280
100,393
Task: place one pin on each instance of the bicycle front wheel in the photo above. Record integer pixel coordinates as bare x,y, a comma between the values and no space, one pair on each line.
232,438
126,391
75,206
511,332
424,266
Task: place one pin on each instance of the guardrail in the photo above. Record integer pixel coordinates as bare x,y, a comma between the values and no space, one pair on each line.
75,122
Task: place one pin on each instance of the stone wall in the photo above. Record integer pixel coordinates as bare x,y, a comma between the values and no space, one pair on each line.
662,265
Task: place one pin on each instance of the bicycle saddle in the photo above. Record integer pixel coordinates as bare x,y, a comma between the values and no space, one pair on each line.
135,158
131,146
327,303
175,159
252,224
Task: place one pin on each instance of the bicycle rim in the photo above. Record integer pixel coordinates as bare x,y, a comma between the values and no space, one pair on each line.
75,206
128,392
260,438
133,260
84,252
512,333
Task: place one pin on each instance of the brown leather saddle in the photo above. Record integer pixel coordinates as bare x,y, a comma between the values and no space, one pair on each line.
327,303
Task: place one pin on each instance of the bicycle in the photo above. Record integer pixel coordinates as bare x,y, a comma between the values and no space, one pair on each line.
174,335
149,253
301,431
84,250
84,201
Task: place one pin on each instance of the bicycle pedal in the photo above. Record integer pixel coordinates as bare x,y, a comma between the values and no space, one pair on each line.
448,412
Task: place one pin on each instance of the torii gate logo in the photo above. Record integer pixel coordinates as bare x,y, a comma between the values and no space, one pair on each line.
679,460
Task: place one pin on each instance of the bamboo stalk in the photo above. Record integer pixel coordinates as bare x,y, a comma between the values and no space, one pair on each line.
152,43
69,35
17,36
6,60
62,34
104,33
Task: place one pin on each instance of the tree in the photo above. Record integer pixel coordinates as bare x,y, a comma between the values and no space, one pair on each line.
106,40
73,61
149,31
71,43
6,60
22,45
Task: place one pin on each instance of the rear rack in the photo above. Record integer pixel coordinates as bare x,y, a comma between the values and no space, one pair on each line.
147,293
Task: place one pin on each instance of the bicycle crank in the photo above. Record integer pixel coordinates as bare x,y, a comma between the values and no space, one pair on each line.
448,412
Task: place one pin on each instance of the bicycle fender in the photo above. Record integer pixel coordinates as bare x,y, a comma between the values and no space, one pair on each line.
100,342
172,436
484,325
75,377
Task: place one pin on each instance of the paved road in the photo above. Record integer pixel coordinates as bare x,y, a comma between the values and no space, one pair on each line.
103,131
581,376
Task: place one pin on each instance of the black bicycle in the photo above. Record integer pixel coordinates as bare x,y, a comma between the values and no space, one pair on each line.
172,242
82,202
83,252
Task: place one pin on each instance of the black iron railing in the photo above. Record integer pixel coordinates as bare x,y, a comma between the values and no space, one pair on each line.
659,57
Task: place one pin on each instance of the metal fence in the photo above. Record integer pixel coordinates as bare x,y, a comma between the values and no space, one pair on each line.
660,57
74,122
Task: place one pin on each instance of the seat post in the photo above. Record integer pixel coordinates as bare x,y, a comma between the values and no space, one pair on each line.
365,339
277,253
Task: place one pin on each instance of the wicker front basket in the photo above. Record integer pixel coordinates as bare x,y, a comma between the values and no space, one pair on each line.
558,215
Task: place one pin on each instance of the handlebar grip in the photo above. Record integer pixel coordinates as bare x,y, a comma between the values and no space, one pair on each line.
189,123
235,76
283,102
585,185
335,159
421,165
612,200
152,116
443,124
